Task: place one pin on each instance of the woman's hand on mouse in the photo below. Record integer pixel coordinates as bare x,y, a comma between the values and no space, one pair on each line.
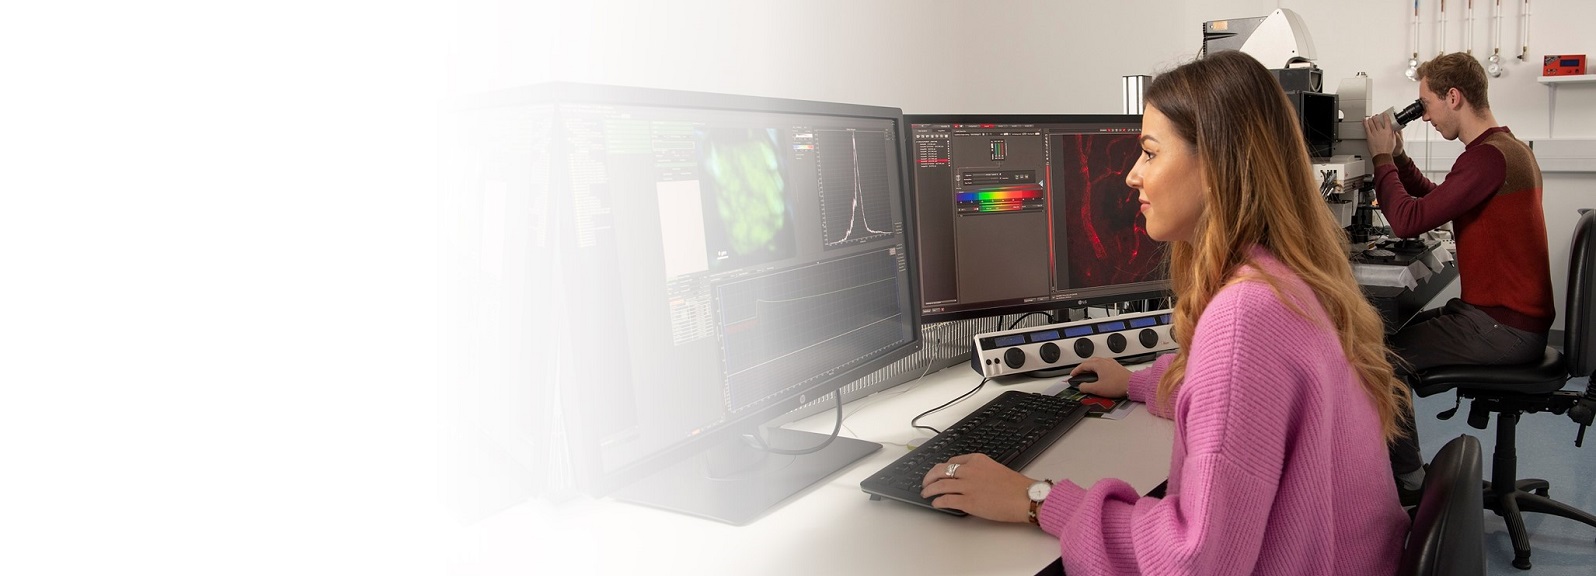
1113,380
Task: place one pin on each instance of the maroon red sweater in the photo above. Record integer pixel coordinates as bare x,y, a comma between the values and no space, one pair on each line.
1492,196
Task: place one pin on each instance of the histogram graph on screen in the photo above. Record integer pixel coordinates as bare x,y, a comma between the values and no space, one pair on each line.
854,204
780,328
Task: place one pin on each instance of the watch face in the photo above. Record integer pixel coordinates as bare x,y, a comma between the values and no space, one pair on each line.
1039,490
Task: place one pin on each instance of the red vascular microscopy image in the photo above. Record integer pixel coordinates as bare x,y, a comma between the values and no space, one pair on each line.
1105,230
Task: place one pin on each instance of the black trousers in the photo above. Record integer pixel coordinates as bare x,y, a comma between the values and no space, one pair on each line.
1456,333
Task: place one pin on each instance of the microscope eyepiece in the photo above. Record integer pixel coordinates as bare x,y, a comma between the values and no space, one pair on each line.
1409,114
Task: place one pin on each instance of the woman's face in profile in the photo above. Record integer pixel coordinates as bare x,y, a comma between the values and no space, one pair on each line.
1169,180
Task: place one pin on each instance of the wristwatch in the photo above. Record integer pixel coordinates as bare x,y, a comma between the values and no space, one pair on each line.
1038,492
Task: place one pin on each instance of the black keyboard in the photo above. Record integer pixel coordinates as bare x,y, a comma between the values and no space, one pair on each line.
1013,429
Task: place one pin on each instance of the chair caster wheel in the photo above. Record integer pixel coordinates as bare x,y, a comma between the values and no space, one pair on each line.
1521,563
1543,492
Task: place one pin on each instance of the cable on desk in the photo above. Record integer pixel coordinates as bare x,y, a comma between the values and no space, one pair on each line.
903,388
759,443
915,422
931,360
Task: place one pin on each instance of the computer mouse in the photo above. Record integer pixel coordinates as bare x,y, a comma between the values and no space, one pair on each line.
1083,378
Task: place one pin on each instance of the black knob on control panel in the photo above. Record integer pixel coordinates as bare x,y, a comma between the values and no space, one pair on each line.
1014,357
1116,342
1083,348
1050,352
1148,337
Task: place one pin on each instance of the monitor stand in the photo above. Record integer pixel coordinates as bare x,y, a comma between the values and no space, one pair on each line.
737,483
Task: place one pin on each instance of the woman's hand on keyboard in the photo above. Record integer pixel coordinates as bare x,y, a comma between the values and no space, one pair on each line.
980,487
1113,380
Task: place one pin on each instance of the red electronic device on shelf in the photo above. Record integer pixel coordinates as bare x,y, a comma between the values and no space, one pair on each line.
1567,65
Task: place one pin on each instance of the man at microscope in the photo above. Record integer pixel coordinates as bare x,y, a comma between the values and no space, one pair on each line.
1492,197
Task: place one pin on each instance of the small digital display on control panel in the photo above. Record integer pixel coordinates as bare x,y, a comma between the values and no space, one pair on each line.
1014,340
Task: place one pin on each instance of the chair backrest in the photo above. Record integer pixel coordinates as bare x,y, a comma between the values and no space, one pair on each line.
1448,534
1579,311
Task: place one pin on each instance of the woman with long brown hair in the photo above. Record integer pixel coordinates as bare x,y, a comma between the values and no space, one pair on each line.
1281,392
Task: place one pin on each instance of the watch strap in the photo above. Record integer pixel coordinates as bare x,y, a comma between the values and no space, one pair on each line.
1036,505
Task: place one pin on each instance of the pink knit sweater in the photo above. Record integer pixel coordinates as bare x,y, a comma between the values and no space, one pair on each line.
1278,465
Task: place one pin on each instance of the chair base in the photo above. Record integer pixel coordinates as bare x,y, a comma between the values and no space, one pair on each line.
1528,495
1509,497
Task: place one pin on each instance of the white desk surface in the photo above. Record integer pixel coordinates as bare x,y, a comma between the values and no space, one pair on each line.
833,527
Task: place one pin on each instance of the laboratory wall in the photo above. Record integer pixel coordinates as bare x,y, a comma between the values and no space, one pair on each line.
944,56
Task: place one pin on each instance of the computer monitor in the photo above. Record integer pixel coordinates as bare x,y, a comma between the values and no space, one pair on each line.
1025,213
723,260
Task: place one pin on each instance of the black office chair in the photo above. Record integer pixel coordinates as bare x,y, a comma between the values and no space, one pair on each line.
1449,529
1510,391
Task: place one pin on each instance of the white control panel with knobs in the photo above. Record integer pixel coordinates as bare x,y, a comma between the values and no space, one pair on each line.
1059,345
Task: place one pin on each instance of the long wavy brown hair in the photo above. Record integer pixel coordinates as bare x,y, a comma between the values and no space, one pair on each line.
1260,191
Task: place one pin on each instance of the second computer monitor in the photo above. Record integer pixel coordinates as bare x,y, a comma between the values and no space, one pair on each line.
702,265
1028,213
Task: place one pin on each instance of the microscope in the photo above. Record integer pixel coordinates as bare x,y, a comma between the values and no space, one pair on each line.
1400,119
1408,114
1362,230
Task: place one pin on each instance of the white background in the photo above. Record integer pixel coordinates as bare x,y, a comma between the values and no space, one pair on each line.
218,248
